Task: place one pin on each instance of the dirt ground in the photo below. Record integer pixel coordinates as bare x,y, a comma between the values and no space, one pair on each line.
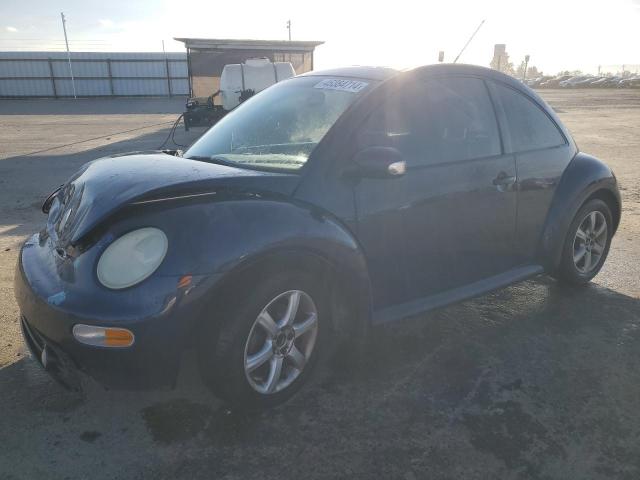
533,381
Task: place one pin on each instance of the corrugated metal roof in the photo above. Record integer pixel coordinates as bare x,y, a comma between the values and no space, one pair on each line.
234,44
95,55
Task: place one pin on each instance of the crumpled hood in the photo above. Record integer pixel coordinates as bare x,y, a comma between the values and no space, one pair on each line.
103,186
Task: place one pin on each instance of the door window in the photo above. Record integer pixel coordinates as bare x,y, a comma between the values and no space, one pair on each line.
436,121
529,127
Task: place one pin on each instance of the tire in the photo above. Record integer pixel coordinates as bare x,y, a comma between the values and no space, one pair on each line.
576,272
224,349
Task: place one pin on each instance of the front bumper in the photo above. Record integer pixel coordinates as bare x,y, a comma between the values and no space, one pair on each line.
159,313
54,360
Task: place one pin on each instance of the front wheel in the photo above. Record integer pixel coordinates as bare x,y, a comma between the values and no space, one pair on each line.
587,243
268,342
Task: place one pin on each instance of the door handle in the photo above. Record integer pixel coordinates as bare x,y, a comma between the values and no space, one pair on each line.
503,180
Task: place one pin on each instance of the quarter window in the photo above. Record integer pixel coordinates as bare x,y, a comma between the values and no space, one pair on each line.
529,128
436,121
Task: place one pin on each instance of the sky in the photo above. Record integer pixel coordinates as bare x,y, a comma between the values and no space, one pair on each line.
557,34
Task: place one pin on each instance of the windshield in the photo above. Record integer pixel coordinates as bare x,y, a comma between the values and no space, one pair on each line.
279,127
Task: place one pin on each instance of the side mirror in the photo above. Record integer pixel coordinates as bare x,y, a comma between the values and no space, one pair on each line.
378,162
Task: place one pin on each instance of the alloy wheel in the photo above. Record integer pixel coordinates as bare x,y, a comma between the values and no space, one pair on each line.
589,242
281,342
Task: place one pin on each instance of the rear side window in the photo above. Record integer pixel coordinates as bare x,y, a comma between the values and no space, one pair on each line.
529,128
436,121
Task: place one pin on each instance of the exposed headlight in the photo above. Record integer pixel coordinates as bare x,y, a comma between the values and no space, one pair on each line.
132,258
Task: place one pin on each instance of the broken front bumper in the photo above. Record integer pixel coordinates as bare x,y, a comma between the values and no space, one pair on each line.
158,312
53,359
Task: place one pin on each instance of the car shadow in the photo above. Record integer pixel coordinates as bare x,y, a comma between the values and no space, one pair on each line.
93,106
533,381
26,180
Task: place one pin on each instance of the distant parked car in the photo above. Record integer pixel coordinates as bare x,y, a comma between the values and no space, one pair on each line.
591,82
600,82
631,82
612,81
574,81
325,204
607,82
535,82
554,82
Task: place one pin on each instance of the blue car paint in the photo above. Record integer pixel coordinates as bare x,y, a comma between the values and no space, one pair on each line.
111,183
220,220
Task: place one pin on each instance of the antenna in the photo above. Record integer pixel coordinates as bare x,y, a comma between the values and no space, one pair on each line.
469,41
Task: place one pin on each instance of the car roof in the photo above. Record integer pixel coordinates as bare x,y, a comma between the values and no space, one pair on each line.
474,70
385,73
369,73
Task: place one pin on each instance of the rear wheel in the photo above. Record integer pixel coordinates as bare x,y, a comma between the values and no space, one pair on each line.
587,244
268,342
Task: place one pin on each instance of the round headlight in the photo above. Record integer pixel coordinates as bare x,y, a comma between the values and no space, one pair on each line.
132,258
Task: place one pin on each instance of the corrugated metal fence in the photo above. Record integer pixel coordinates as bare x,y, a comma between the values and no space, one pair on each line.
46,74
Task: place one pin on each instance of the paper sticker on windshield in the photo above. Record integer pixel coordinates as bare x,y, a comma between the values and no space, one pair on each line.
353,86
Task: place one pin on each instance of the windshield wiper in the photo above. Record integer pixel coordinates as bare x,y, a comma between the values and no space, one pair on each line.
216,160
175,153
283,161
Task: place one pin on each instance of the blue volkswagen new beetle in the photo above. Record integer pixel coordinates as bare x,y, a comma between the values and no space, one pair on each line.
329,202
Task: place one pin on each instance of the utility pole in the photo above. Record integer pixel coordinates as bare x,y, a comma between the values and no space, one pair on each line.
289,28
64,28
526,65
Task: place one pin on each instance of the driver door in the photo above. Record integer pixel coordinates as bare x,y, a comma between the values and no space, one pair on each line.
450,220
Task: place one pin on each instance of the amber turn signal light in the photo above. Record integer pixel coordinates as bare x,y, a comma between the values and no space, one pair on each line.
185,281
103,336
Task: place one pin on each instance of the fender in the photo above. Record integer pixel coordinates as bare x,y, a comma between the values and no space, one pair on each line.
297,232
584,177
240,229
